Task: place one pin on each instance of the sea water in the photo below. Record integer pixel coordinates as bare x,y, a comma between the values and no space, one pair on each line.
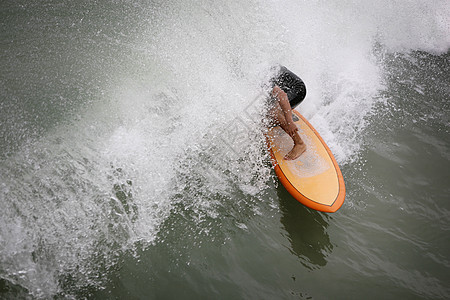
133,163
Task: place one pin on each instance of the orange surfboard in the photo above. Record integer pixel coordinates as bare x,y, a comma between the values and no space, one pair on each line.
314,179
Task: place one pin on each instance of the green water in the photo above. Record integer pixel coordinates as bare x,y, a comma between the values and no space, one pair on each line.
131,167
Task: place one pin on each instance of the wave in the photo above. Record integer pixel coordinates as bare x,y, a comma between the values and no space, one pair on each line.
168,115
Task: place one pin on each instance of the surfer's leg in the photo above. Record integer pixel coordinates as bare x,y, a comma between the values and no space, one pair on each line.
299,145
298,149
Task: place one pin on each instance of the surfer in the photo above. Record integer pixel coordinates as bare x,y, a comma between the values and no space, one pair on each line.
288,90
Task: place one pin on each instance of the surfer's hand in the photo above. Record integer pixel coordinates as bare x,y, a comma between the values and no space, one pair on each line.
291,128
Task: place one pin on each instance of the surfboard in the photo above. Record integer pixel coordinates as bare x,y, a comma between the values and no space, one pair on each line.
314,179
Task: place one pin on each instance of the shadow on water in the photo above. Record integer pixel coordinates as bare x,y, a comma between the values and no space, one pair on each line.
306,231
9,290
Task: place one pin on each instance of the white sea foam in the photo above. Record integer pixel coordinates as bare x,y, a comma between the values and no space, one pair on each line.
188,75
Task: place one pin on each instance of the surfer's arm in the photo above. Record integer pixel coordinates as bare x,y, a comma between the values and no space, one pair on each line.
283,100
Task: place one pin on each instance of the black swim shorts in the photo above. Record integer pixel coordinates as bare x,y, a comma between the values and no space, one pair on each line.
291,84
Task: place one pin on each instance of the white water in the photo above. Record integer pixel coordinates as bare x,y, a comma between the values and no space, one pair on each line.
190,73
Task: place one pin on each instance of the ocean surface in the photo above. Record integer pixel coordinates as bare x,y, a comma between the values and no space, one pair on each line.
133,163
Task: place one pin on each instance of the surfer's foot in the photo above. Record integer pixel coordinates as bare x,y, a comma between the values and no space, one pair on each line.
296,151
